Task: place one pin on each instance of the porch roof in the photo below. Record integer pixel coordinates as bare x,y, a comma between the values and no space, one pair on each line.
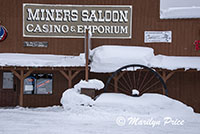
40,60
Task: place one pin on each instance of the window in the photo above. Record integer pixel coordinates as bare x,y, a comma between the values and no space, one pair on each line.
38,84
7,80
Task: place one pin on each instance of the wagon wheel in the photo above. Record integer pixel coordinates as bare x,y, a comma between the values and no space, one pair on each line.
136,77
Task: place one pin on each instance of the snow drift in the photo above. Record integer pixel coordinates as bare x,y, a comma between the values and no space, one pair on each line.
175,62
109,58
93,84
147,104
114,104
72,99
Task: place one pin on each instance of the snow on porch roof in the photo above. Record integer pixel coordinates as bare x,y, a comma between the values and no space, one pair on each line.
175,62
110,58
177,9
40,60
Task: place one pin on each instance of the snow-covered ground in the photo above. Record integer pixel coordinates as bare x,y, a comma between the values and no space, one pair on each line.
109,113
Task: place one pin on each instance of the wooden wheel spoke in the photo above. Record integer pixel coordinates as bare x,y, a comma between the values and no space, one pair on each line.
134,79
150,87
122,84
126,82
143,80
120,88
130,81
137,77
147,82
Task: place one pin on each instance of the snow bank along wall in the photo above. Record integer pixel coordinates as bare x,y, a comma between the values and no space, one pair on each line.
141,26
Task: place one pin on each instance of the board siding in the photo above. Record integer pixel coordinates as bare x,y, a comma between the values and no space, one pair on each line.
183,86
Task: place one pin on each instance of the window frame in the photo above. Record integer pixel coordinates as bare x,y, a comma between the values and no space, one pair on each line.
2,80
36,75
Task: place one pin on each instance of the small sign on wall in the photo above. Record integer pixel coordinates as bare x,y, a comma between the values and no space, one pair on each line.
35,44
158,36
3,33
197,45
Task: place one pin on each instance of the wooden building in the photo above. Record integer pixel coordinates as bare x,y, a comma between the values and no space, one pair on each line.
25,29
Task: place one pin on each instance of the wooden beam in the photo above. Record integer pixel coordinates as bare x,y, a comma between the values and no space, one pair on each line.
16,74
76,73
21,97
70,73
28,73
41,68
166,76
170,75
21,77
86,55
68,77
64,74
120,75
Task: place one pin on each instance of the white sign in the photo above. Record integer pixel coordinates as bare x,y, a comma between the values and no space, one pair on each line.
158,36
28,88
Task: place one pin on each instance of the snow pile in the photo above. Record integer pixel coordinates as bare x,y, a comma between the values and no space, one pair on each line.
174,9
109,58
93,84
40,60
147,104
72,99
115,104
135,92
175,62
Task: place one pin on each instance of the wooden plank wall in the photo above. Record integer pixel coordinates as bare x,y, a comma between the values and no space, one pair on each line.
145,17
185,87
182,86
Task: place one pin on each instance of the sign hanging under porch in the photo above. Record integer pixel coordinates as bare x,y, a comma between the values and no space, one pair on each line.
71,21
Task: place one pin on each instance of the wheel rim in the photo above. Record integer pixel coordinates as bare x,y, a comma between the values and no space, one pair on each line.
136,77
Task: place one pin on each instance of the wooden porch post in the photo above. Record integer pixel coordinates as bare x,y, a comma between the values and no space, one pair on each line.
21,77
86,54
166,76
21,97
69,76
